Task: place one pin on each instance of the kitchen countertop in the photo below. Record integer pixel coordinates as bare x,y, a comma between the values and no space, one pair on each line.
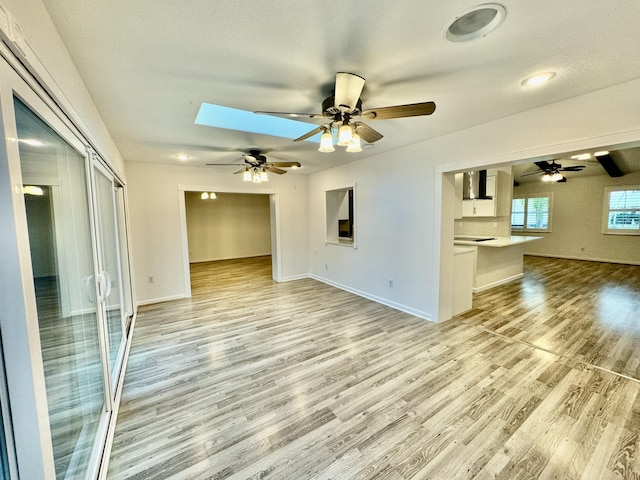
496,242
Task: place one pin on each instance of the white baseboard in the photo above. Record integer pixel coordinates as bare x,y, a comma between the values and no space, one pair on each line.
583,259
160,300
233,257
375,298
488,286
290,278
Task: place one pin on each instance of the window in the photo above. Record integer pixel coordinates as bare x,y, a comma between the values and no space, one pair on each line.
622,210
532,213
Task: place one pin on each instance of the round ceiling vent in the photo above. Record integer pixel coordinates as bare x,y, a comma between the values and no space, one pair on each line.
476,22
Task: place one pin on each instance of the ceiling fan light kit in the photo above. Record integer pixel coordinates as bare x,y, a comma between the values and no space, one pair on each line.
326,142
256,167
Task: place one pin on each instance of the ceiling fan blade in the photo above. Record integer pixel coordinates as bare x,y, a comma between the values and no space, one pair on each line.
285,164
575,168
400,111
271,169
347,92
310,134
223,164
532,173
367,133
240,171
292,115
543,165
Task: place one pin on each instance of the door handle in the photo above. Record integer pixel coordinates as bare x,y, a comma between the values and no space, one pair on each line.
107,279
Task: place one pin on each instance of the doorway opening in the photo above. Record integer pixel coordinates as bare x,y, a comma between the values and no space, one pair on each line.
231,230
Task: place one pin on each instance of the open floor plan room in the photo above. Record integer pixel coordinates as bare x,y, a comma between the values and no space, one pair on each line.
256,379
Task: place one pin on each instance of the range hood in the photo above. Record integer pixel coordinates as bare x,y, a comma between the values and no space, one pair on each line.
475,185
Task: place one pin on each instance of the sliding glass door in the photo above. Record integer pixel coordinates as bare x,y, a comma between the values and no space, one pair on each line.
110,265
54,175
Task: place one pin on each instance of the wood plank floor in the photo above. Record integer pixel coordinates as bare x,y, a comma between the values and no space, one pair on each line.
251,379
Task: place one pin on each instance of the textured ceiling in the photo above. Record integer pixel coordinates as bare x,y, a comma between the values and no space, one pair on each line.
150,63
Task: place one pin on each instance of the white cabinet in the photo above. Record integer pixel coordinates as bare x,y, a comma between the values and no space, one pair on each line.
479,208
463,263
488,207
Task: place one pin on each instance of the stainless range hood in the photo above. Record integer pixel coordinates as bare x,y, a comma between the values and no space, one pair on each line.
475,185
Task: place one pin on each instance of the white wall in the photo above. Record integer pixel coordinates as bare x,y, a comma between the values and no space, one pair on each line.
392,229
398,213
577,221
156,223
47,45
234,225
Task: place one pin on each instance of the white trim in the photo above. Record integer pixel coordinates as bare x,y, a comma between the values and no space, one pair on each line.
234,257
292,278
106,453
184,243
614,141
582,259
152,301
251,189
606,209
491,285
276,244
375,298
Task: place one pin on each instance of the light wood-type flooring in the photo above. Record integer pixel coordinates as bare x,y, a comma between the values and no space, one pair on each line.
251,379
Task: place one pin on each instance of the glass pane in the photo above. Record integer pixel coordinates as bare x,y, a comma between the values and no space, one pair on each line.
517,213
629,220
538,213
111,273
55,195
4,456
624,200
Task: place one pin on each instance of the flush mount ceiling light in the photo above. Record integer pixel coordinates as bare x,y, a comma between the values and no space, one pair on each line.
183,157
476,23
538,79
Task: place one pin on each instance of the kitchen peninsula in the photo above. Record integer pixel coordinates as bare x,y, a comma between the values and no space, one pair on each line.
498,260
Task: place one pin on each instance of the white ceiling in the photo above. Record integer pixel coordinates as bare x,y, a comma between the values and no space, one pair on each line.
150,63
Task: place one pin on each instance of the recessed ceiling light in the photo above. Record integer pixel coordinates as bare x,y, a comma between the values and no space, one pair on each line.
538,79
183,157
601,153
476,22
581,156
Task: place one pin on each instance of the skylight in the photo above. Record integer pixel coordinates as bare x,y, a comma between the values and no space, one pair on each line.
234,119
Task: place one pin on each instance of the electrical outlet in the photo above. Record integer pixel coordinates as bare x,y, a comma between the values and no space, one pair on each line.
391,283
150,279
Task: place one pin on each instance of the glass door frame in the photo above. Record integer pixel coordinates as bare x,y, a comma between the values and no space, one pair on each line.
18,313
97,168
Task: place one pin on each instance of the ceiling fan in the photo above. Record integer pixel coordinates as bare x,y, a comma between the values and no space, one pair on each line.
551,171
339,110
256,166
